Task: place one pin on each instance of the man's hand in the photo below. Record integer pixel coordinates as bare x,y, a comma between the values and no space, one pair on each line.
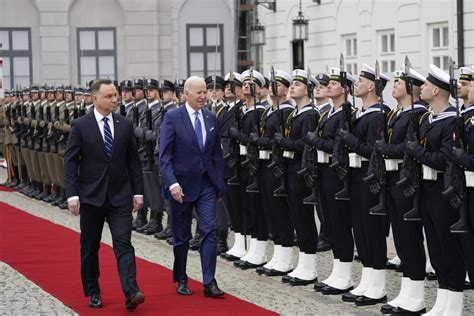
137,203
177,194
253,138
277,138
74,206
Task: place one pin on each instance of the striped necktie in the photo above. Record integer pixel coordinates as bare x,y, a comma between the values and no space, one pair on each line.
108,140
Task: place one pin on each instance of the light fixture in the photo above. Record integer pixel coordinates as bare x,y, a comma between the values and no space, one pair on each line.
300,27
257,32
269,4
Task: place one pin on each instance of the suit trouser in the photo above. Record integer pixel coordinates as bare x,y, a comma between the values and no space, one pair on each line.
181,219
302,214
277,210
337,214
369,230
444,247
408,235
119,220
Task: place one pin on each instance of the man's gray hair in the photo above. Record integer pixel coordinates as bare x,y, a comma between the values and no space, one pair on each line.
189,82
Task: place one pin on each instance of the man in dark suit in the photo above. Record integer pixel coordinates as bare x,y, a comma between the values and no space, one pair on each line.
191,166
104,181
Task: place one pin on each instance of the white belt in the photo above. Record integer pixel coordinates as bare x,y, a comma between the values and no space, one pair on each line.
469,178
429,173
323,157
243,150
355,160
264,154
288,154
392,164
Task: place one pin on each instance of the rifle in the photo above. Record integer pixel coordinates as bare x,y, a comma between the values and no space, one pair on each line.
340,156
82,108
123,112
277,165
410,174
454,180
232,157
377,175
309,164
136,118
149,148
252,148
45,128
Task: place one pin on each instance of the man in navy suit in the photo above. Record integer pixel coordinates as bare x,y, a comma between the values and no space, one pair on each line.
104,181
191,165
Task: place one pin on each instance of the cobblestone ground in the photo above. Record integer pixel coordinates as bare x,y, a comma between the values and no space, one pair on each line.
267,292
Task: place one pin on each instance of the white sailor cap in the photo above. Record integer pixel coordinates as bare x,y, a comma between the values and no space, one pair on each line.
335,74
282,76
438,77
302,76
368,72
237,78
257,77
466,73
417,78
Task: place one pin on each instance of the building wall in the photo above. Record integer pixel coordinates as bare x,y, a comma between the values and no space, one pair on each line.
150,34
333,19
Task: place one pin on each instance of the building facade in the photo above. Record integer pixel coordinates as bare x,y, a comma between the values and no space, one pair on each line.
427,31
62,41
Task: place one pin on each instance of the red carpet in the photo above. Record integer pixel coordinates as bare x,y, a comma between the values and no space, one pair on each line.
48,255
6,189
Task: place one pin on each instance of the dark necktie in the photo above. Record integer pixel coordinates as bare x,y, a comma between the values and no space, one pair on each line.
198,130
108,140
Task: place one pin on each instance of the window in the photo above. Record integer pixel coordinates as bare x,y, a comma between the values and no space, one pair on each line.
96,54
439,45
350,52
205,52
15,49
386,44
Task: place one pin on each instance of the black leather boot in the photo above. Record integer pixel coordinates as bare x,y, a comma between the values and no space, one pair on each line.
141,219
222,246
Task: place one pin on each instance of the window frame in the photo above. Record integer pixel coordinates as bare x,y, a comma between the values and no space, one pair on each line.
350,61
441,52
11,54
97,52
204,49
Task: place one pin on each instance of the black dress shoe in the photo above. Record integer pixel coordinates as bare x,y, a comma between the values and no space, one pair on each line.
247,265
183,288
400,311
366,301
212,290
96,300
318,286
323,245
273,272
329,290
387,308
261,270
349,297
238,262
164,234
228,257
301,282
285,279
134,300
468,286
399,267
